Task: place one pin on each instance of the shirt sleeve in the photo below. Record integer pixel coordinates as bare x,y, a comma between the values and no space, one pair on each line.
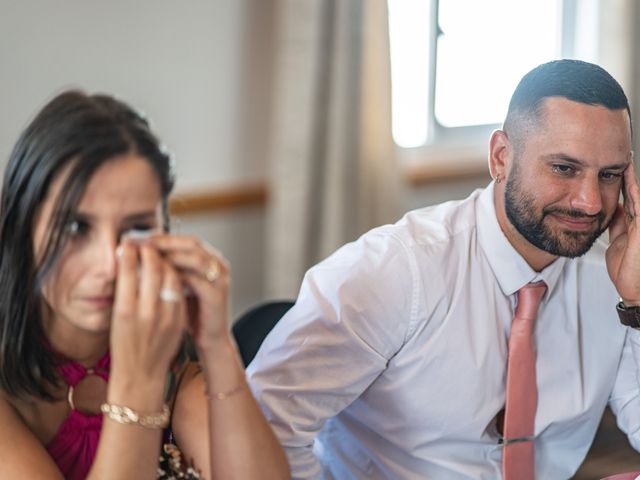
352,315
625,397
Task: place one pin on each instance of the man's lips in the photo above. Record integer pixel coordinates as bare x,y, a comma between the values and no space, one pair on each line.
576,223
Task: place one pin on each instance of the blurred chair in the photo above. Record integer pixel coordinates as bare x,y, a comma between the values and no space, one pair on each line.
252,326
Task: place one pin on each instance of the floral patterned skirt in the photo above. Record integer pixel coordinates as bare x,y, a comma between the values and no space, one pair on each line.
172,466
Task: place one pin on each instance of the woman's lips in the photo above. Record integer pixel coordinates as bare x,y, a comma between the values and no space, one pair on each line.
100,300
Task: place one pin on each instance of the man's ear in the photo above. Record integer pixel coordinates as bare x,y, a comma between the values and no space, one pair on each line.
499,155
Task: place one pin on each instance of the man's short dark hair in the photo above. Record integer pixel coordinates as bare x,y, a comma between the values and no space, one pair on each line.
575,80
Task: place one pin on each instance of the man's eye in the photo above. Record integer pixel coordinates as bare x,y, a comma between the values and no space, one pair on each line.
564,169
610,176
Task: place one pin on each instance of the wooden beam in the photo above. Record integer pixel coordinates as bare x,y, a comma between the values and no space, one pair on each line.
257,195
216,199
429,174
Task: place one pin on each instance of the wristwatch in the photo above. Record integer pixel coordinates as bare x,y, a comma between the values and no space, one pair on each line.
629,316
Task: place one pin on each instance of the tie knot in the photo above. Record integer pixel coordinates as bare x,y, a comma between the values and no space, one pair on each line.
529,298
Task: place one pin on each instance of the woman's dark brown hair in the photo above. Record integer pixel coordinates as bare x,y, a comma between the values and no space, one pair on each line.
73,130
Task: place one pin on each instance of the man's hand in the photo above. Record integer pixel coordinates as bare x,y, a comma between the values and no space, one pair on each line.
623,254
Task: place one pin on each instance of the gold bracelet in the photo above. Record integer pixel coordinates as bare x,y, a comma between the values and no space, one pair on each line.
227,394
127,416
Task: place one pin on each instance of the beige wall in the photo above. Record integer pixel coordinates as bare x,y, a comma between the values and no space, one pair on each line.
196,68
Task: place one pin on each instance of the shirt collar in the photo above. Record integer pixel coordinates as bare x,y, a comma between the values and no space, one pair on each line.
509,268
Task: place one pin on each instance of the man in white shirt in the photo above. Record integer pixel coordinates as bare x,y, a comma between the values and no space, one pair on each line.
392,364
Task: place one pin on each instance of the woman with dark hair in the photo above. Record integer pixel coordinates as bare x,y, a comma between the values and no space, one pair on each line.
97,299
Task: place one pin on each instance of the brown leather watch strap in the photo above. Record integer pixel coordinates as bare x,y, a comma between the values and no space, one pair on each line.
629,316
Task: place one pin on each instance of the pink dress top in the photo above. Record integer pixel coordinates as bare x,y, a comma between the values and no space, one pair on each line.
75,444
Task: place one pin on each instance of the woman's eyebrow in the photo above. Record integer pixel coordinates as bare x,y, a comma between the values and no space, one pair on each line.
141,215
131,216
89,218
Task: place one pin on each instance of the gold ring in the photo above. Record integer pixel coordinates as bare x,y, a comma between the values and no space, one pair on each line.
213,272
168,295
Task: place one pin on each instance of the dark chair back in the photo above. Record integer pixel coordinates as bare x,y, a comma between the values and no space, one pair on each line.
253,326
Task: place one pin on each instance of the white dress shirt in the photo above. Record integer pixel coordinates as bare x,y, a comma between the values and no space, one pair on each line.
392,363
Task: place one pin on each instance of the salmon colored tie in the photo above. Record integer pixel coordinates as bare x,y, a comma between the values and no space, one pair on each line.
522,395
624,476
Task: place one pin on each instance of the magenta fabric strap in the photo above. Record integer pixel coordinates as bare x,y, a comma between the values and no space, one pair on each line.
75,444
73,372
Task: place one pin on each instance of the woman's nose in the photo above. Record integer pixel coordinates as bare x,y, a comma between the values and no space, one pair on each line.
107,261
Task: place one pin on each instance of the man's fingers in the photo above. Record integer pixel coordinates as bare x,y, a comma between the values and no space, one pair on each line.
618,224
631,192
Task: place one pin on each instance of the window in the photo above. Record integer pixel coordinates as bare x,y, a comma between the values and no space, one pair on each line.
455,63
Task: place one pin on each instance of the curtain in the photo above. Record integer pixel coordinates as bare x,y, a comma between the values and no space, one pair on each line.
331,160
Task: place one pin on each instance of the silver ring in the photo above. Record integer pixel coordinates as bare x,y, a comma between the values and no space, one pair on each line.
168,295
70,397
213,272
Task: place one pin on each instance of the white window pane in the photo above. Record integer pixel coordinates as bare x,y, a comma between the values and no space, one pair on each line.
409,36
485,48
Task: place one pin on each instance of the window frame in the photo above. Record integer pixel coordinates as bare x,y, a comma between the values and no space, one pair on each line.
466,144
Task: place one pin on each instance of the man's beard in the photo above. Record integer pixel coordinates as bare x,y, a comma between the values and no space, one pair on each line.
520,206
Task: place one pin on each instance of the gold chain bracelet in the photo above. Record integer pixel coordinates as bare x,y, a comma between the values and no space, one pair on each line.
224,395
128,416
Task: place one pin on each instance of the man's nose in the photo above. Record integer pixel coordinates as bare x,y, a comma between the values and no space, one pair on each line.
588,197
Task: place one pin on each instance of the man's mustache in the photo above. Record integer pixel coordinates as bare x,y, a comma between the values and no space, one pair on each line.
573,213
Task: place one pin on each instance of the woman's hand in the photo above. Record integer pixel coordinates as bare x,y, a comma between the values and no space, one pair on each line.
205,274
149,319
